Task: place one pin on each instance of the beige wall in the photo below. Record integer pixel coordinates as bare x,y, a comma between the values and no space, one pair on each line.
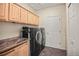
8,30
55,11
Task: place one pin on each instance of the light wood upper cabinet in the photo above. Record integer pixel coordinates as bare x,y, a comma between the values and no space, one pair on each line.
33,19
3,12
30,18
14,13
36,20
23,16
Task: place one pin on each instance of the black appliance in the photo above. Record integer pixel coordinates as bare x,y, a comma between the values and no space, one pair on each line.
43,41
33,43
24,32
37,41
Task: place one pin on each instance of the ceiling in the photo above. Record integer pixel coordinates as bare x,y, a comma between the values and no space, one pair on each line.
38,6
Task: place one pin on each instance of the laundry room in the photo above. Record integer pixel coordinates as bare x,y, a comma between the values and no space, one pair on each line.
39,29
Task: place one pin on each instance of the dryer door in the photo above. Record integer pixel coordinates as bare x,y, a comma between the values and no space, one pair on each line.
39,37
38,42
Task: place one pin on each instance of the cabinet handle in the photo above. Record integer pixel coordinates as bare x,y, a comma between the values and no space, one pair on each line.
5,53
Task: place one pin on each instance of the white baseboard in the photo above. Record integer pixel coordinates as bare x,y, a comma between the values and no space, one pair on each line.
56,47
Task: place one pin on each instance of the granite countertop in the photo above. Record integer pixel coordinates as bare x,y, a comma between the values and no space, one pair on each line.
10,43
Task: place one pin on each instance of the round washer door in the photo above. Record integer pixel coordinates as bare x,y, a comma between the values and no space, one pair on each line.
39,37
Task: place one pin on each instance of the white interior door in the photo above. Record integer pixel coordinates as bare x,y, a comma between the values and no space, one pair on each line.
53,31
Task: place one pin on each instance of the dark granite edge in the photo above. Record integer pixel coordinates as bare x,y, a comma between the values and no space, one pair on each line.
11,47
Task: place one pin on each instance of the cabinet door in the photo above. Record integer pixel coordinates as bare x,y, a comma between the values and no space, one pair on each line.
23,15
3,11
36,20
14,13
30,18
33,19
23,50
